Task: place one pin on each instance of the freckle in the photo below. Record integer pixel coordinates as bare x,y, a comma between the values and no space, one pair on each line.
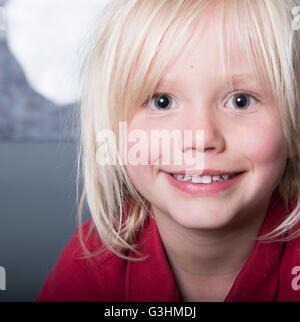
192,66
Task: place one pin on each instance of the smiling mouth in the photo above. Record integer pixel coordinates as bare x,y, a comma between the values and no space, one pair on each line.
204,179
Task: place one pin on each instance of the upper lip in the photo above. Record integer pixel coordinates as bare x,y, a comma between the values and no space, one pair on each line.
209,172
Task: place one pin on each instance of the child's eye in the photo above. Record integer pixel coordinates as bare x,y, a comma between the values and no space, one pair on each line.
162,102
241,101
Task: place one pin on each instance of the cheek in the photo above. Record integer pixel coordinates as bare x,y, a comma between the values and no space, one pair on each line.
142,179
141,149
138,165
264,146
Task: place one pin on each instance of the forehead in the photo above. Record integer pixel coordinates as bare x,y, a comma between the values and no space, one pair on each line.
203,54
218,49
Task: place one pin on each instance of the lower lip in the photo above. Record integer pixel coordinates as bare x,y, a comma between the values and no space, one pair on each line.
203,188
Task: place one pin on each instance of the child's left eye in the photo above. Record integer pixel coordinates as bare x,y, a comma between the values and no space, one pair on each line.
162,102
241,101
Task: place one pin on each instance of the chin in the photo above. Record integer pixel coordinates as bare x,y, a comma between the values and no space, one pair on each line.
206,220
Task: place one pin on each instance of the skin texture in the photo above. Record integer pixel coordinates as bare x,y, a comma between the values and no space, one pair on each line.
200,233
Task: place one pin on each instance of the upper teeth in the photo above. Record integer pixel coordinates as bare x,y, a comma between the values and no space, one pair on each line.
202,179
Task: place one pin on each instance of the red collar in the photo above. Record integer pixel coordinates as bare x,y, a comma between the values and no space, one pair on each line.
152,279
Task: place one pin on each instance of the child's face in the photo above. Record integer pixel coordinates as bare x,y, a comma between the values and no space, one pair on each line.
246,137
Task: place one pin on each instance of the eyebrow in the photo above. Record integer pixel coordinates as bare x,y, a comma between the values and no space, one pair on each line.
243,78
247,79
236,78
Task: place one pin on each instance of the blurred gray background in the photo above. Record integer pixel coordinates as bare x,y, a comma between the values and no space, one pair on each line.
37,180
38,210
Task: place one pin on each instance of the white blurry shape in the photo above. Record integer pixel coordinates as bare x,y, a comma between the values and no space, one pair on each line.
46,38
2,18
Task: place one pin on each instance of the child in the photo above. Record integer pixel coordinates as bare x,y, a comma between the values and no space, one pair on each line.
227,231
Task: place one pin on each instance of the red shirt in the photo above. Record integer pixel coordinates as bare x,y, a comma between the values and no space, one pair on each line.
271,273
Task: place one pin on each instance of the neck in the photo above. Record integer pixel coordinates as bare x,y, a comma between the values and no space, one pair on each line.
200,253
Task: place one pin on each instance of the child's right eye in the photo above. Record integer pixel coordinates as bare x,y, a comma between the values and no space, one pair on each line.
161,102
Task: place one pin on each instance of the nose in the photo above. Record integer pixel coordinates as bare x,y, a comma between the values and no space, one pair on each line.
204,119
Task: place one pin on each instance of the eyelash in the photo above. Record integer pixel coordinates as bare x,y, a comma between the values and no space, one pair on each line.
227,100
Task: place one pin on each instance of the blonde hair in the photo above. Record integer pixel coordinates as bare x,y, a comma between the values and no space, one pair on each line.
132,46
